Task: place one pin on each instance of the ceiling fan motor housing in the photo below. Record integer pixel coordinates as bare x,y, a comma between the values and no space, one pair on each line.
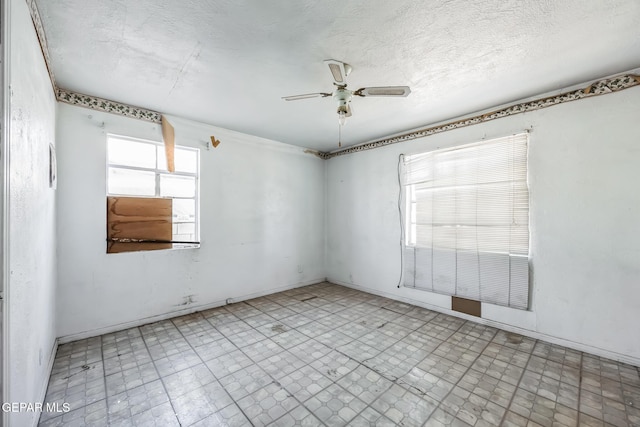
343,96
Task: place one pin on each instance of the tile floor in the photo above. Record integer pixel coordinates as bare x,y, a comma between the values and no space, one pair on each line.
329,355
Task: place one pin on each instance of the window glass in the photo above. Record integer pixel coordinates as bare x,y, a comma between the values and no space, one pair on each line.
131,153
131,182
184,159
184,210
184,232
177,186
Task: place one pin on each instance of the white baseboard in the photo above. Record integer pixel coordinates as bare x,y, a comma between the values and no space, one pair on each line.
45,384
530,333
510,328
188,310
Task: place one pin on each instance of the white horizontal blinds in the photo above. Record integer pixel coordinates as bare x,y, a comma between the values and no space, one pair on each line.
467,221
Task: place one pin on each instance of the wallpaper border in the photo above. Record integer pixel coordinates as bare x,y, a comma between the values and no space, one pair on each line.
600,87
107,105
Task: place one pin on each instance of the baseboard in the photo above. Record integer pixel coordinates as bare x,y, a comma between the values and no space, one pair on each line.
45,385
597,351
168,315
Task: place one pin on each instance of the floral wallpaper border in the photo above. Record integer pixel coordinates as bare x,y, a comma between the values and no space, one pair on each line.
37,24
600,87
78,99
106,105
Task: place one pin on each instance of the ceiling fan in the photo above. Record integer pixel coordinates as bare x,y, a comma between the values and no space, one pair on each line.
340,71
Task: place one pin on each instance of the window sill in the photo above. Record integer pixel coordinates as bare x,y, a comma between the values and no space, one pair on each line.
186,246
139,248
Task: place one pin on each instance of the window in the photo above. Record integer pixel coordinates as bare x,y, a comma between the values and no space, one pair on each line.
466,221
138,168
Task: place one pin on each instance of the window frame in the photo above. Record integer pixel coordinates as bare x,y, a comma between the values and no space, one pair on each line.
158,172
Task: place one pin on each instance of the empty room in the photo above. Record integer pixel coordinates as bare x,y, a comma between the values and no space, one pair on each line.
336,213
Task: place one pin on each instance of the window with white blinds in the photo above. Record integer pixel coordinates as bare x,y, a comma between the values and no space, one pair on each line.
466,221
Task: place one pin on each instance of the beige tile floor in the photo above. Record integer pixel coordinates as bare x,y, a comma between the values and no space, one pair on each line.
330,355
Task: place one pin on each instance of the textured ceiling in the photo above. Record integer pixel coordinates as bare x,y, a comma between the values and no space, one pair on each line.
229,62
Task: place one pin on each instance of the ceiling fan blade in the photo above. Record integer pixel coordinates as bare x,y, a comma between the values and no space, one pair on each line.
339,71
306,96
383,91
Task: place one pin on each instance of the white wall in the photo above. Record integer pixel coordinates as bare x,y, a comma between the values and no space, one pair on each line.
584,170
262,226
31,208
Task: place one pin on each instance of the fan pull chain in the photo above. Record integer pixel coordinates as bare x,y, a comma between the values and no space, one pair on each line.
339,135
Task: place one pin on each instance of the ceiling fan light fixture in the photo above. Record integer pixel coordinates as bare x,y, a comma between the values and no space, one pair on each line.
343,113
342,117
